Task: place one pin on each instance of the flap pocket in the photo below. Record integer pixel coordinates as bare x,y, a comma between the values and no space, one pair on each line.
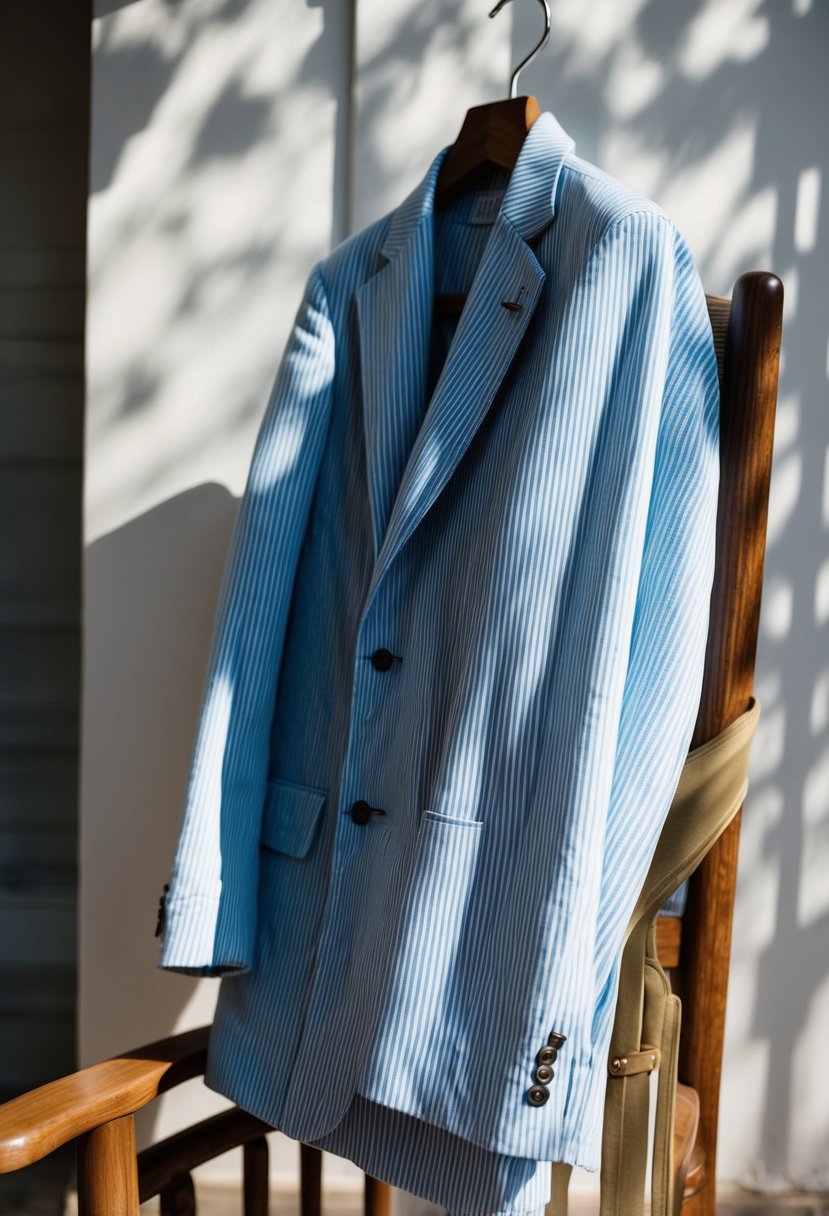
291,815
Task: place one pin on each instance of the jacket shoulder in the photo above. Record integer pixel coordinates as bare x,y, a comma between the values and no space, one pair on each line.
592,202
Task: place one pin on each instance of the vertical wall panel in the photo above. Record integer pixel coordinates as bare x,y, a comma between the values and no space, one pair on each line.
44,125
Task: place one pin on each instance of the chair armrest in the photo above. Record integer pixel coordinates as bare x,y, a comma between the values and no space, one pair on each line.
40,1121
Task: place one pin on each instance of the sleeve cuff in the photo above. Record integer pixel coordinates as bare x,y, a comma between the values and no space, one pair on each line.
189,936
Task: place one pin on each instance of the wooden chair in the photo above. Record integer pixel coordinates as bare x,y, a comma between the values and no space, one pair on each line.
95,1106
697,947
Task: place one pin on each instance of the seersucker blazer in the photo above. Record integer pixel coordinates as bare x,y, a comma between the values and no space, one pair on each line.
456,665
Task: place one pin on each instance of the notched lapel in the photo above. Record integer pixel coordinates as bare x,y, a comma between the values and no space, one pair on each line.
413,446
482,349
394,315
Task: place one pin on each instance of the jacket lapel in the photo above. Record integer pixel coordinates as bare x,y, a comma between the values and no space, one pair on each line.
413,446
395,313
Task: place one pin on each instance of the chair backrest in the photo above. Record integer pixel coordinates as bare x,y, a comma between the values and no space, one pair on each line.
747,332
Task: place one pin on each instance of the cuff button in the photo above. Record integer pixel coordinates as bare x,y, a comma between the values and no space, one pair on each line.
538,1095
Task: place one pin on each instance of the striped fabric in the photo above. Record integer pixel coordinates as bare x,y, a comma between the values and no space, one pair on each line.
520,506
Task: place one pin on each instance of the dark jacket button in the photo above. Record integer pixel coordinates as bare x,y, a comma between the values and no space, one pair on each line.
382,659
555,1039
538,1095
547,1055
361,811
543,1073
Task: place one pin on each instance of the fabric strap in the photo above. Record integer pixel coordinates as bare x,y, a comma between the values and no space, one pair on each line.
711,790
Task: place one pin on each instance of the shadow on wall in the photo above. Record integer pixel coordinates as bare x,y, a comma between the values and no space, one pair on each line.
151,589
212,189
140,74
194,207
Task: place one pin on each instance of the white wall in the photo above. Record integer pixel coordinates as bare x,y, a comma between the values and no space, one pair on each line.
222,167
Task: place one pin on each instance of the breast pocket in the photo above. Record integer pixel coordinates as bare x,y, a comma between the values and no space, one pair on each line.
291,816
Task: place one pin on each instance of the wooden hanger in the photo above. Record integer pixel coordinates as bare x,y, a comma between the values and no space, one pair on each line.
491,134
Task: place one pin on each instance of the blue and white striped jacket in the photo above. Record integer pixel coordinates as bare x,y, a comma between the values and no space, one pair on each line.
456,665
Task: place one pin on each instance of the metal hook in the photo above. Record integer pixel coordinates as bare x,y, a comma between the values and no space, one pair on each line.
513,87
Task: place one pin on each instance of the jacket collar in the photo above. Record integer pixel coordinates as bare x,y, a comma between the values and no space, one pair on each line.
413,445
529,202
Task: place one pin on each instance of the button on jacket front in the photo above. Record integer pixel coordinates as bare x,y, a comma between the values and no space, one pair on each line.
455,671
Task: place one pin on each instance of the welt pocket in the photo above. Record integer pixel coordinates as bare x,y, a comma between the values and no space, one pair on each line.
436,818
291,816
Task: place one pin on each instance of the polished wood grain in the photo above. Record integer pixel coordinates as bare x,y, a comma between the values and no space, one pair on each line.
107,1169
747,336
491,134
668,940
36,1123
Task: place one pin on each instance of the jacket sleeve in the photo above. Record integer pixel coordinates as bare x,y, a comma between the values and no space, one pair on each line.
208,916
669,627
644,572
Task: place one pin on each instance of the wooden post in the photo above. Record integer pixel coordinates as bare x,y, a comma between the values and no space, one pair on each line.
749,398
179,1197
108,1170
310,1180
377,1197
256,1177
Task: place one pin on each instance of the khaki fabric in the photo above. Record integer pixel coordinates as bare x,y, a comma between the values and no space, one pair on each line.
711,789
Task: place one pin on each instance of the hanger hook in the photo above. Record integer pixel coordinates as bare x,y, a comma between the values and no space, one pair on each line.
513,87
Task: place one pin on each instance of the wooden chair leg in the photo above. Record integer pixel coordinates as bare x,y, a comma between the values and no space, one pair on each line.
310,1180
256,1180
559,1189
108,1170
377,1197
179,1197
